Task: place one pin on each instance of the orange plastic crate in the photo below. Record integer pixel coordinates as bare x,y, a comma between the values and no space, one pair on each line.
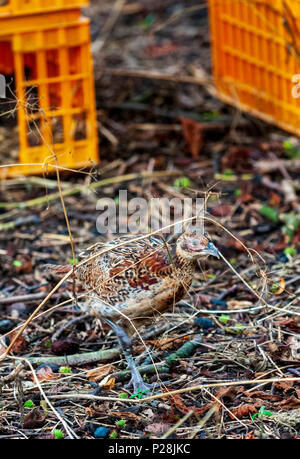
256,52
20,7
50,56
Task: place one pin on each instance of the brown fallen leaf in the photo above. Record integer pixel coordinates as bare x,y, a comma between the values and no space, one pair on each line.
34,419
263,395
226,392
243,410
157,428
290,403
281,287
45,373
193,135
165,343
124,414
291,323
19,345
235,304
285,385
97,374
280,352
110,384
222,210
161,50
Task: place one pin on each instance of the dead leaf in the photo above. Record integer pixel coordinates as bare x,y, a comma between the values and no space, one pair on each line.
290,403
279,351
222,210
291,323
161,50
45,373
275,199
110,384
157,428
285,385
263,395
226,392
26,265
192,132
97,374
165,343
281,287
34,419
19,345
235,304
124,414
288,351
243,410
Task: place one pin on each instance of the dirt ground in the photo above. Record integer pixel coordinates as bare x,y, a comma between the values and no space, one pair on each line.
237,329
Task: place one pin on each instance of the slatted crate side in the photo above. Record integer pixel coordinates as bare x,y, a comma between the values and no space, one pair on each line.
21,7
256,51
55,89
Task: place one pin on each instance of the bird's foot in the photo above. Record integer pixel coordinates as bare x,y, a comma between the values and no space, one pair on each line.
140,388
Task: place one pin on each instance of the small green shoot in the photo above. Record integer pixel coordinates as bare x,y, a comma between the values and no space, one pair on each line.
73,262
261,412
181,182
29,404
291,150
58,434
123,395
147,21
139,393
247,176
227,175
269,212
113,435
224,318
65,370
290,251
121,423
275,287
17,263
211,116
292,222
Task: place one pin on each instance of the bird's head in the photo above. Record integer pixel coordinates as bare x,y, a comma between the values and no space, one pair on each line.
193,246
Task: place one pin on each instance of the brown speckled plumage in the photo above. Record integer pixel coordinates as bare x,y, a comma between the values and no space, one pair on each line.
129,281
138,280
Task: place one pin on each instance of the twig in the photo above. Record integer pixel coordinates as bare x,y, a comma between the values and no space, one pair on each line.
9,378
171,393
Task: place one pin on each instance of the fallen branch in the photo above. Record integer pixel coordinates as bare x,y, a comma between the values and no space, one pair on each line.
144,370
77,359
265,166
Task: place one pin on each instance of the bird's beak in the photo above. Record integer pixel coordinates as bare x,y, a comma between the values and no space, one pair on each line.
211,249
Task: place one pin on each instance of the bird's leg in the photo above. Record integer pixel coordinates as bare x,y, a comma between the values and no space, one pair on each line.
139,386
